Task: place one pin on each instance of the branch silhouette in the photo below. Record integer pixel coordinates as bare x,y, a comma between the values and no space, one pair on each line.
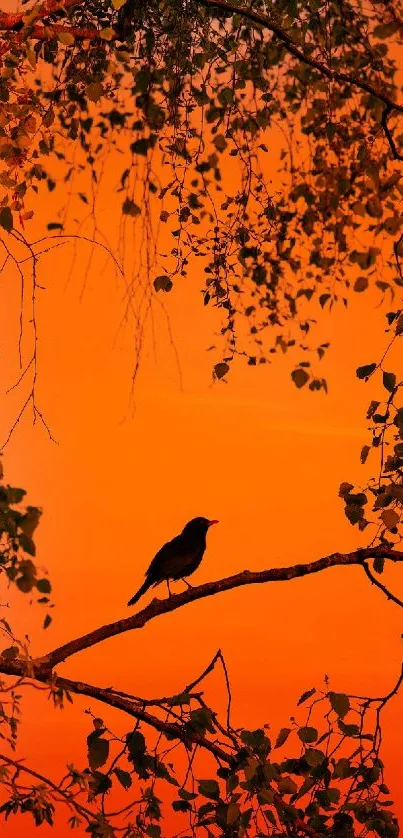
13,22
383,588
65,795
247,577
41,670
134,708
294,49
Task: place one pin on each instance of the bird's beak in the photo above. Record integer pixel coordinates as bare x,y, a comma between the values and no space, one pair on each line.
210,523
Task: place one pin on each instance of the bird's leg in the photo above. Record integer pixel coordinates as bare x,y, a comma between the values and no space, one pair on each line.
169,590
187,583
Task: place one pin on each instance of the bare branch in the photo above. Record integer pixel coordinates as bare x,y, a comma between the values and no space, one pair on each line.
217,657
379,585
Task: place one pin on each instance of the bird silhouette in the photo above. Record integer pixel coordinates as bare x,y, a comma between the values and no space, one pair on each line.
177,558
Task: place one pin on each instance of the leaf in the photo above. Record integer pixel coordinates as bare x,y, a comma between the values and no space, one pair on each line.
361,284
282,736
47,621
257,740
233,812
107,34
136,745
308,734
65,38
385,30
177,700
181,806
15,495
221,369
340,703
49,118
31,58
124,778
374,207
27,544
220,142
26,581
94,91
364,453
210,789
365,371
342,769
141,146
163,283
44,586
265,796
10,653
389,381
378,564
98,750
399,325
390,518
29,522
129,207
202,719
344,489
186,795
299,377
311,692
348,730
6,219
372,409
287,786
357,498
314,756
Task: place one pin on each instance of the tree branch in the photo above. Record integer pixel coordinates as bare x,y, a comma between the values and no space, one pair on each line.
163,606
15,21
132,708
384,122
42,33
69,799
383,588
293,48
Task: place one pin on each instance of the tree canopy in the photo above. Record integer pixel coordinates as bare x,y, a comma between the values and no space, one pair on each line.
263,139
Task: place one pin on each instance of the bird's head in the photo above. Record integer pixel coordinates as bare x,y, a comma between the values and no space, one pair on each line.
198,526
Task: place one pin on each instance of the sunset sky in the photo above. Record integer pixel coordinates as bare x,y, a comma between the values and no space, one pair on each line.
253,451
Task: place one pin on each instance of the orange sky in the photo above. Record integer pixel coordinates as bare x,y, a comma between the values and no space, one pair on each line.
262,457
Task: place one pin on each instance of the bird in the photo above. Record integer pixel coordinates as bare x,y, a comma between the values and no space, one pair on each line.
177,558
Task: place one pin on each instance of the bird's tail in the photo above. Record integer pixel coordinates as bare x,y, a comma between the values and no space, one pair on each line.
145,586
